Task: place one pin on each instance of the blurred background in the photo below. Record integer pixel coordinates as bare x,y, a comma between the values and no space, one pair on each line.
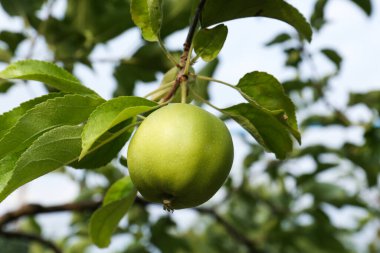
324,198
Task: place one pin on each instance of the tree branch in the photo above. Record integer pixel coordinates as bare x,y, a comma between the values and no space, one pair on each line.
182,76
31,237
236,234
33,209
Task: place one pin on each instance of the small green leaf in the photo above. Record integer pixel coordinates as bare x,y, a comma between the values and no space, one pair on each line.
109,114
5,55
365,5
147,15
12,39
333,56
47,73
67,110
217,11
117,201
209,42
264,89
49,152
264,126
9,119
280,38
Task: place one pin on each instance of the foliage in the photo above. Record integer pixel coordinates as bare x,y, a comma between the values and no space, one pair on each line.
72,126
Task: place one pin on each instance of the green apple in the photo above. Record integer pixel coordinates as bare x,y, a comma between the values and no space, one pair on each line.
180,156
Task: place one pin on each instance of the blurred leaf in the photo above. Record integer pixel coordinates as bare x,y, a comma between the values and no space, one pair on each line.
325,192
367,155
142,66
263,126
5,55
280,38
208,42
217,11
12,245
333,56
320,121
21,7
147,15
370,99
5,86
109,114
365,5
116,203
294,57
67,110
12,39
67,42
164,240
99,20
47,73
317,19
176,15
264,90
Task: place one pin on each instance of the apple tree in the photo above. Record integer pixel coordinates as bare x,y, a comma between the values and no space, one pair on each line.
183,156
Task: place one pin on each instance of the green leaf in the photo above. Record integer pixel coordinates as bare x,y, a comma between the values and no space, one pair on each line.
264,126
142,66
106,147
217,11
116,203
264,90
7,165
317,19
209,42
49,152
5,55
109,115
333,56
9,119
67,110
5,85
365,5
100,20
47,73
147,15
21,7
280,38
12,39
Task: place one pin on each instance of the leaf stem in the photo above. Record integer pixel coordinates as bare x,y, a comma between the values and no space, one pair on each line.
167,53
162,87
206,78
197,96
187,47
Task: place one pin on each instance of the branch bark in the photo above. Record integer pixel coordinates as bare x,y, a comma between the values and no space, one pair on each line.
31,237
33,209
182,76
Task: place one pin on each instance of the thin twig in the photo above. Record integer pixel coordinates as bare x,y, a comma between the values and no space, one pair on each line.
32,209
182,74
236,234
31,237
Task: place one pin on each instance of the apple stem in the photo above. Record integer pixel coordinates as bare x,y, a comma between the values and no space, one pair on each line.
167,205
187,48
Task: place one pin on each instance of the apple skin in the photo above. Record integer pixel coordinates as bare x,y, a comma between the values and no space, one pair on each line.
180,156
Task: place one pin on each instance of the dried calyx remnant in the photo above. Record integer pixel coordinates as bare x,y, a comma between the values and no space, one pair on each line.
167,203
